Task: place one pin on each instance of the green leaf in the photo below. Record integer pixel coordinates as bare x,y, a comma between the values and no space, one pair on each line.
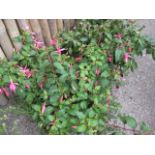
80,115
105,83
118,55
101,122
50,117
144,127
59,67
81,128
54,99
105,74
74,86
92,113
92,122
37,108
83,105
108,35
131,122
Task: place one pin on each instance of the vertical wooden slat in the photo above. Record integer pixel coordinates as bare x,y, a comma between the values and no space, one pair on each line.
2,55
59,24
72,23
53,27
45,30
12,29
5,41
66,24
24,25
36,28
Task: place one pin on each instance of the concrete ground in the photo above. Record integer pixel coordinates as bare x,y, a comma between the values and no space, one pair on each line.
138,95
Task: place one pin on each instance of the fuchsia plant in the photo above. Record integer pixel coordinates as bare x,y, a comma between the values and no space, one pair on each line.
68,84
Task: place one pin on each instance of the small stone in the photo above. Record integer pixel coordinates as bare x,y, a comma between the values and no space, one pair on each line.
3,100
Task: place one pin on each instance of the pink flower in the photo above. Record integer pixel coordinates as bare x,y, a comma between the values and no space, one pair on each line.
6,92
13,86
1,91
118,36
38,44
74,126
110,59
43,109
78,59
53,42
97,72
126,57
26,71
58,50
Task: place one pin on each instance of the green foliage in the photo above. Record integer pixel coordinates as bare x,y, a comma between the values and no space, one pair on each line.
71,93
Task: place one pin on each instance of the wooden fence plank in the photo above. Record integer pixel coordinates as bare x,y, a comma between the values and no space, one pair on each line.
36,28
72,23
45,30
67,24
53,27
59,24
24,25
5,41
2,55
13,32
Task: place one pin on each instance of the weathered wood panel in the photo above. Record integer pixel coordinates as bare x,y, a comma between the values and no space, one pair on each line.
53,27
59,24
13,32
2,56
24,25
5,41
36,28
45,31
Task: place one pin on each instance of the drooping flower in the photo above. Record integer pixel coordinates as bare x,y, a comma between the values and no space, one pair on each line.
118,36
110,59
43,109
12,86
126,57
1,91
74,126
38,44
97,72
78,59
26,71
59,50
6,92
53,42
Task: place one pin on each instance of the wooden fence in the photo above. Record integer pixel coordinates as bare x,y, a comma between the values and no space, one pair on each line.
45,29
